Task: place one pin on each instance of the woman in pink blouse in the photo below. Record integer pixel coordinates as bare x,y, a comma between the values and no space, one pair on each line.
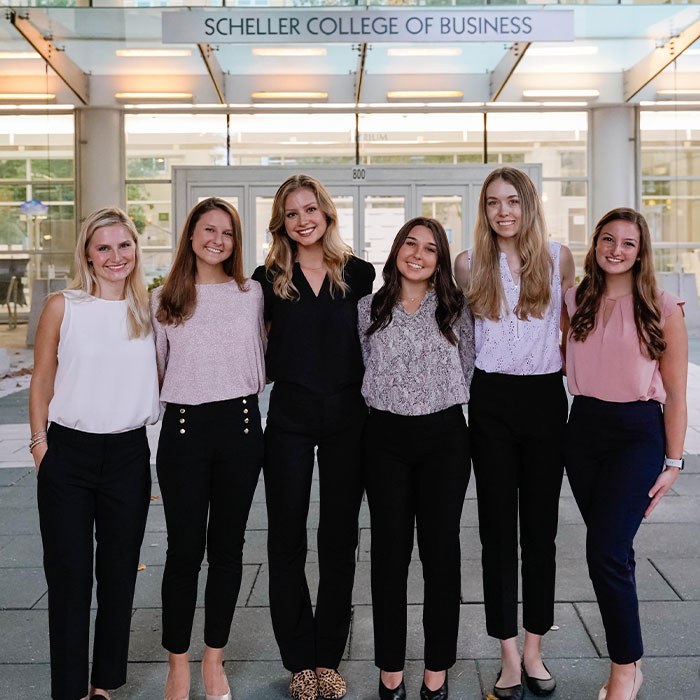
626,356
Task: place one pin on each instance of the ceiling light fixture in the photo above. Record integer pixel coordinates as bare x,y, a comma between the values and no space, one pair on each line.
561,93
27,96
19,55
152,53
679,91
153,95
289,95
423,94
561,51
444,51
289,51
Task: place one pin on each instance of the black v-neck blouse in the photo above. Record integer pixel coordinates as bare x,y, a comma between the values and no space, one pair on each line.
313,340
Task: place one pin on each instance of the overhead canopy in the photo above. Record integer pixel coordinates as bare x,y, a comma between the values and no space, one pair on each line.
614,58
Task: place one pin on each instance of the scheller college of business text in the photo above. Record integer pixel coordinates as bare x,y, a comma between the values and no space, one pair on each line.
347,26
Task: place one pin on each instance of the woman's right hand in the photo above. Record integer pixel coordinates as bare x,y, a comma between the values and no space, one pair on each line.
38,453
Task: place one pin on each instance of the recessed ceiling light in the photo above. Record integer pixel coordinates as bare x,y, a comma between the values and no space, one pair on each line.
153,95
561,51
679,91
561,93
152,53
289,95
289,51
19,55
421,94
27,96
417,51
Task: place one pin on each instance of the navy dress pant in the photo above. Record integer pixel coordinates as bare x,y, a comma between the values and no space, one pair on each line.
615,452
91,488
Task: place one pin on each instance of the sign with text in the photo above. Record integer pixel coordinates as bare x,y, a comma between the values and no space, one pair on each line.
242,26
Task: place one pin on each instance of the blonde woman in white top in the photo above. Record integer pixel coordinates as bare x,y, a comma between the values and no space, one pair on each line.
95,381
515,279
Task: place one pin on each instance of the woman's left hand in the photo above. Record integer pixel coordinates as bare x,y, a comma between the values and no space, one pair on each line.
661,486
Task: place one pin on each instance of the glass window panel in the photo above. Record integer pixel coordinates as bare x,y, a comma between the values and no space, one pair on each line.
155,266
148,205
447,209
13,193
13,169
54,193
156,142
344,205
50,168
384,216
263,212
557,140
670,143
421,138
671,215
565,211
13,228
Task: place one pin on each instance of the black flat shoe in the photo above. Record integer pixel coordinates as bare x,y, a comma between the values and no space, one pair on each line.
398,693
540,686
512,692
439,694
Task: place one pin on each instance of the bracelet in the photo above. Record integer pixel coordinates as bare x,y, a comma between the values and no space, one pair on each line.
679,463
38,432
37,441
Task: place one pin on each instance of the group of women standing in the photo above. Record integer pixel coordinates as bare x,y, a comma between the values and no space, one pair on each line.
373,386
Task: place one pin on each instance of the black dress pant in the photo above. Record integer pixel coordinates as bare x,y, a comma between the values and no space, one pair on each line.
614,454
517,426
417,472
101,484
297,422
209,459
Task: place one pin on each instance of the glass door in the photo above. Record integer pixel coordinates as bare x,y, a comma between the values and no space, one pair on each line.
385,209
447,205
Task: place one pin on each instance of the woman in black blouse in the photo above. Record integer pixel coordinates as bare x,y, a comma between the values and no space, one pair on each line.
312,282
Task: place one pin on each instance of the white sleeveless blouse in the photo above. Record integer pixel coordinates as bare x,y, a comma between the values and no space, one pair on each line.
105,381
512,346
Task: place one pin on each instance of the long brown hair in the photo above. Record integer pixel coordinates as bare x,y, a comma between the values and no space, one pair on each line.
279,262
178,298
647,310
135,293
450,299
486,296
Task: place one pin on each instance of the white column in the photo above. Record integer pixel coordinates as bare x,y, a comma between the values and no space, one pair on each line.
614,168
100,159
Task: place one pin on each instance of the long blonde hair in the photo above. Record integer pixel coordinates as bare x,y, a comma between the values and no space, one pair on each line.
280,260
178,297
486,296
135,293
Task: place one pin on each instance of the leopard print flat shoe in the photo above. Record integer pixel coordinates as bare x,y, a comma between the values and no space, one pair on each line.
304,685
331,685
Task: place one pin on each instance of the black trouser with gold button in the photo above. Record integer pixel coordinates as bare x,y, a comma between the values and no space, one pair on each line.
209,459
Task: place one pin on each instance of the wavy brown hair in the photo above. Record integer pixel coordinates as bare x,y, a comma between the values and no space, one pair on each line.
178,298
450,299
647,309
486,296
279,263
135,293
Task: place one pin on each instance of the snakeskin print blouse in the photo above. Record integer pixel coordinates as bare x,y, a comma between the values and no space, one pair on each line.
410,367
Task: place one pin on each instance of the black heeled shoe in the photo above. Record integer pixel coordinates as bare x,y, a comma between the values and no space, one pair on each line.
512,692
398,693
542,687
439,694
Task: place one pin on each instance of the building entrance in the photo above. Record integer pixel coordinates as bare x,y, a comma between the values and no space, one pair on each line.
372,201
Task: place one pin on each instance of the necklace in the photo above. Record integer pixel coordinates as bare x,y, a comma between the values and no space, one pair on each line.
306,267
